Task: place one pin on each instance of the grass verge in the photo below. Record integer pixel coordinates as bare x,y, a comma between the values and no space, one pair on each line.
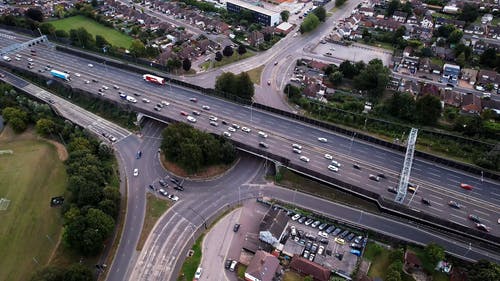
206,173
292,276
114,37
241,271
154,209
30,228
255,74
294,181
191,264
234,58
379,257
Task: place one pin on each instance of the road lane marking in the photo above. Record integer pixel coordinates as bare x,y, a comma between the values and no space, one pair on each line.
462,218
483,213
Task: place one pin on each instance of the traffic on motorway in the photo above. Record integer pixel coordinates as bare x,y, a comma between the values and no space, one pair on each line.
434,194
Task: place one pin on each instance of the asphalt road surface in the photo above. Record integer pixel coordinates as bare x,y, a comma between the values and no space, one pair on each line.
438,184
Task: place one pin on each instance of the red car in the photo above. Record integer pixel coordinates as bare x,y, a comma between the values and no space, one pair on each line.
184,113
466,186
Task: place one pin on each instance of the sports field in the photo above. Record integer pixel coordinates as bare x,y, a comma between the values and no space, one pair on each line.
29,228
114,37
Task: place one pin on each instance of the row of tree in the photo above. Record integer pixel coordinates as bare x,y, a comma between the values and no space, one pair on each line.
425,110
313,20
193,150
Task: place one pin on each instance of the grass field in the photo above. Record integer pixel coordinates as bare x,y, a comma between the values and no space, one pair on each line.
114,37
29,228
255,74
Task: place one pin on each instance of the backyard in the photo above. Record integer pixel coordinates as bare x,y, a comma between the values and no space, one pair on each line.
114,37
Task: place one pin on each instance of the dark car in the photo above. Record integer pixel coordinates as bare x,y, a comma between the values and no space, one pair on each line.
162,182
426,201
179,187
151,187
381,175
308,245
336,231
323,241
227,264
314,248
302,219
454,204
393,190
350,236
344,234
322,226
474,218
483,227
356,166
374,177
263,144
224,122
356,246
236,227
330,229
138,154
197,113
174,180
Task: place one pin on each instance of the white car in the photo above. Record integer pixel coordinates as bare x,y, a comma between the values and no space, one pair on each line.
16,58
227,134
213,123
165,103
328,156
77,74
231,129
90,65
191,119
321,249
294,145
87,82
105,87
173,197
236,126
305,159
30,59
322,139
333,168
197,274
296,217
323,234
246,130
262,134
336,163
298,151
212,118
136,172
163,192
206,107
145,100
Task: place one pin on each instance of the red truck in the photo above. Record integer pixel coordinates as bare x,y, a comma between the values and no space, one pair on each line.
153,79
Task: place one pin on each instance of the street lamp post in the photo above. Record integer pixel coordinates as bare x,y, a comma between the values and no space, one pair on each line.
482,176
203,219
352,140
251,111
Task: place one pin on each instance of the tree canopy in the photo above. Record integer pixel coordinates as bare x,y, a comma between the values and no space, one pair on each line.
309,23
193,150
373,79
236,85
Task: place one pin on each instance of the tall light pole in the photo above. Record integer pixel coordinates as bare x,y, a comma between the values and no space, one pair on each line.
352,140
251,115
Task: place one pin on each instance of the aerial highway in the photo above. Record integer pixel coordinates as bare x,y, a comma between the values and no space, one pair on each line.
174,234
437,184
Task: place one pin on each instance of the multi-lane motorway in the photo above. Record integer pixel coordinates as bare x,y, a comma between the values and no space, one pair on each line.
438,184
173,235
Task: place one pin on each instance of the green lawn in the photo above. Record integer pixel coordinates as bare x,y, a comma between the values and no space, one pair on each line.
29,228
114,37
191,264
379,256
255,74
234,58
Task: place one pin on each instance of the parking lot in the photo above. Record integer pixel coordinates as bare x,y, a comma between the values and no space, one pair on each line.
331,250
355,52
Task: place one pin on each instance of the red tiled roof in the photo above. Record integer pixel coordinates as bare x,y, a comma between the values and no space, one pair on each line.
307,267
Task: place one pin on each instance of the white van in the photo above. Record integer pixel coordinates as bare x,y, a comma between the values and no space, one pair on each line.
262,134
131,99
6,58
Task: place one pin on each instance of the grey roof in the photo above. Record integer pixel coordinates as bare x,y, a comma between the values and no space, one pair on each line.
274,222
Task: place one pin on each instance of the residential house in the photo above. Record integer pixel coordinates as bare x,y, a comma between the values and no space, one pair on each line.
410,86
458,274
452,98
221,27
476,29
272,225
306,268
480,46
486,18
400,16
430,89
451,72
387,24
255,38
493,32
412,20
317,65
485,77
471,104
427,22
410,60
444,53
367,11
262,267
424,65
313,87
411,261
442,21
344,31
469,75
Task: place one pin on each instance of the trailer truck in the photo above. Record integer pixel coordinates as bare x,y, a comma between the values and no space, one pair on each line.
153,79
59,74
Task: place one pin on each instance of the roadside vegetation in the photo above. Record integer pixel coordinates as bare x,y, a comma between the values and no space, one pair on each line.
155,208
194,150
92,197
236,86
443,131
313,20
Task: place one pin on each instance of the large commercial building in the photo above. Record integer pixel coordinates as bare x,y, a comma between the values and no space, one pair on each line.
260,15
